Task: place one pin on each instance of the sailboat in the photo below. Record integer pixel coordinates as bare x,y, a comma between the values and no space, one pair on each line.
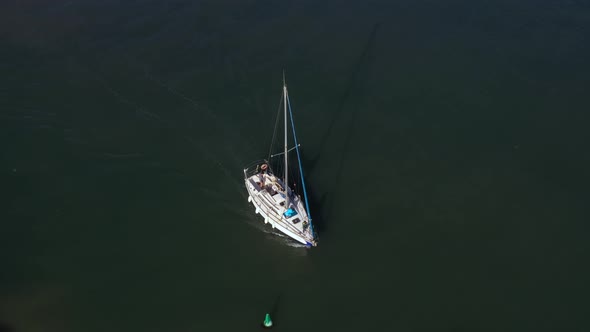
280,205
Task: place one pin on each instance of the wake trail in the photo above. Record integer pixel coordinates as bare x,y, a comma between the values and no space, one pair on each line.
139,110
235,134
216,161
229,136
229,149
211,157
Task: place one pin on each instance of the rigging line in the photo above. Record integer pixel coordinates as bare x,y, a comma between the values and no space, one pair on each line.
300,167
282,153
274,133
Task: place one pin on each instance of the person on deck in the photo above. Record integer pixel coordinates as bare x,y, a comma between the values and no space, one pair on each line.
263,169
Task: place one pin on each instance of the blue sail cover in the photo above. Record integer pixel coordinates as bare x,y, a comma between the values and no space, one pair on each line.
290,212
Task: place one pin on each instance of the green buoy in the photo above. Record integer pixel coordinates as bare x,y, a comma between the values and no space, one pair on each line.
267,321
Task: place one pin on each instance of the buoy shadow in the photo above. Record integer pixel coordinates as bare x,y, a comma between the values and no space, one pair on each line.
274,312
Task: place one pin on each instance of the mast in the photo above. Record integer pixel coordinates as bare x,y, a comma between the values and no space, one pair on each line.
286,156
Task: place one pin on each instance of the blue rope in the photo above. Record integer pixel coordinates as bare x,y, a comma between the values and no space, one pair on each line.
300,167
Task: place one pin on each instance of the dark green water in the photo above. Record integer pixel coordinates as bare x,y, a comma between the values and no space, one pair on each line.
445,143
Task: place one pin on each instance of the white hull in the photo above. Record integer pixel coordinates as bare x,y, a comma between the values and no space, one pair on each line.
275,224
267,203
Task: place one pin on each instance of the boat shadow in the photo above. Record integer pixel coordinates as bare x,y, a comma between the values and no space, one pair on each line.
324,205
352,82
